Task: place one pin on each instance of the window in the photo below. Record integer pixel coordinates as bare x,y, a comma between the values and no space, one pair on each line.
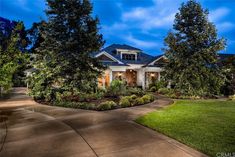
128,57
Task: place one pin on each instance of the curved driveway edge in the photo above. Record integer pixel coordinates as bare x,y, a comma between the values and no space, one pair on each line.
36,130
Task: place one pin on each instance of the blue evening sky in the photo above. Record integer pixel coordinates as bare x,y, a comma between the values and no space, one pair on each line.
140,23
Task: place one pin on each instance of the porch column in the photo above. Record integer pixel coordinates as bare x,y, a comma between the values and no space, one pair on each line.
110,76
159,76
143,79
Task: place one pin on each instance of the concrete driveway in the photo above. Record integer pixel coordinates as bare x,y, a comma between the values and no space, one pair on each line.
28,129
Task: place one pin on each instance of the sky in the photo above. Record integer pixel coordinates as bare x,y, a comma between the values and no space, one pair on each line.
140,23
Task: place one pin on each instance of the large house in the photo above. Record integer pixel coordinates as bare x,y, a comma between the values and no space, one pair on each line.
130,64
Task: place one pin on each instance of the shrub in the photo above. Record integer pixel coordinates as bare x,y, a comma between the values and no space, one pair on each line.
135,90
153,89
107,105
133,97
158,85
68,104
139,101
101,90
148,98
165,91
152,97
87,106
116,88
125,101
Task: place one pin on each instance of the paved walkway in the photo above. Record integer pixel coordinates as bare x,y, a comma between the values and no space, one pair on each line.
28,129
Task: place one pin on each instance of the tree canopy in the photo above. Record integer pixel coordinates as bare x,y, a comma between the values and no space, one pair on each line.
11,55
64,59
192,49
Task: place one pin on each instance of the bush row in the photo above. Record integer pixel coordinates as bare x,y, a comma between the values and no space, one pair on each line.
125,101
133,100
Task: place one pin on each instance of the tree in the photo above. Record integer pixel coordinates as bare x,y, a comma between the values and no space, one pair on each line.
63,60
11,57
192,52
35,35
228,66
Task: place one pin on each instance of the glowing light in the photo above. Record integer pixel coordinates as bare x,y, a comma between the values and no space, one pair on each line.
119,74
152,74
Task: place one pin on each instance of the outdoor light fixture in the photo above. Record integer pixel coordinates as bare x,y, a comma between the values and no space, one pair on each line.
119,74
152,74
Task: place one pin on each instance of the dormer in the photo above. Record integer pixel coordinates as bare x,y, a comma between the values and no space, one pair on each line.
129,55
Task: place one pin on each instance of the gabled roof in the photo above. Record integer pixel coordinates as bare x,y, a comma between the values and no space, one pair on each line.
149,64
143,58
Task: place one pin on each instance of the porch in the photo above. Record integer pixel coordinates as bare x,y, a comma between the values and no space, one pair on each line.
132,77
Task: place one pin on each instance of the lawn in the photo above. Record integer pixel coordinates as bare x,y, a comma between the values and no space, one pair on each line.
206,125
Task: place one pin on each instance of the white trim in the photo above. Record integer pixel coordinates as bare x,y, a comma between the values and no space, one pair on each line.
118,68
108,55
153,69
152,63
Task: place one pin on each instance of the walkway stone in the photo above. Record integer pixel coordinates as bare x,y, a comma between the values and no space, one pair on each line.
35,130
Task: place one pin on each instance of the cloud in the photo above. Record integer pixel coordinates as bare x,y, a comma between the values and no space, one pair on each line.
110,30
218,14
225,26
140,43
160,15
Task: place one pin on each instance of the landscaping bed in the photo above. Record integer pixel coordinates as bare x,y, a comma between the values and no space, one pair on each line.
108,103
117,95
206,125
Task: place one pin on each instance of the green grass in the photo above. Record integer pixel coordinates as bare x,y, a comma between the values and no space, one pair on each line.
206,125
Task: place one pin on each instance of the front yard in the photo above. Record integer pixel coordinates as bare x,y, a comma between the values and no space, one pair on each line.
206,125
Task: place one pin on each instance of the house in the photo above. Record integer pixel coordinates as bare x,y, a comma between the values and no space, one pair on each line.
129,64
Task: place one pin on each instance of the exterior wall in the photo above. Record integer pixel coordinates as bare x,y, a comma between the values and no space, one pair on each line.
142,73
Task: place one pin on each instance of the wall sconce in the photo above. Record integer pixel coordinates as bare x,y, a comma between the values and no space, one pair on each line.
152,74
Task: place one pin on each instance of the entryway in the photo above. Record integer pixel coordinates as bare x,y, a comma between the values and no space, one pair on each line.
131,77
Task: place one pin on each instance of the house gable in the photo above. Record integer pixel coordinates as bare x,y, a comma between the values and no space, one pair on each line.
160,62
104,56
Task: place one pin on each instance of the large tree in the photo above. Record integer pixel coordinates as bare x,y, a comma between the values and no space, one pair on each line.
63,60
192,52
11,56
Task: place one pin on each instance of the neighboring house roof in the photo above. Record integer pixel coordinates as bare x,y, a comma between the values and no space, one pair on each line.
223,56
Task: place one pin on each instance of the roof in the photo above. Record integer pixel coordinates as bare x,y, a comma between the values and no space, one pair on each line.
114,64
154,58
223,56
143,58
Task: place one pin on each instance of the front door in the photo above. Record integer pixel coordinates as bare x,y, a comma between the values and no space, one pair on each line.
131,77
